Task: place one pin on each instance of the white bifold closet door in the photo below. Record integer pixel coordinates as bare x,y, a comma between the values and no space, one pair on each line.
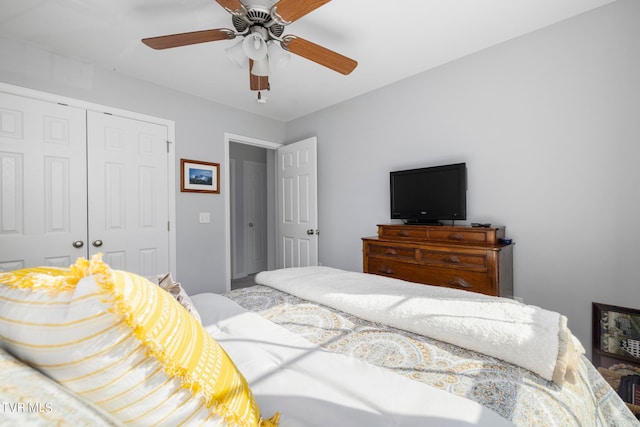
128,193
43,184
75,182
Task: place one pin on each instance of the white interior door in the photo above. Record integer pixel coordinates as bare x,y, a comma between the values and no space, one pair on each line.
128,193
255,209
297,204
43,192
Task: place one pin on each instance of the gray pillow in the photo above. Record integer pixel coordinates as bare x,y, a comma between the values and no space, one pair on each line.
166,282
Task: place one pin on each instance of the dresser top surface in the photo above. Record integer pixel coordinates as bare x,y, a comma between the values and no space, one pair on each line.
444,226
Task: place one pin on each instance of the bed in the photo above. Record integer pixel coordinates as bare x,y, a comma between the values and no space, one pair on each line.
296,300
89,345
92,346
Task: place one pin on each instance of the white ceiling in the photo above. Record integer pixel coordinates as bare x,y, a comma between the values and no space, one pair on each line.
391,40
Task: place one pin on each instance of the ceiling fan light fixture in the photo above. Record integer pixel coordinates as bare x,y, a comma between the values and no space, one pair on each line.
254,46
260,67
278,57
236,55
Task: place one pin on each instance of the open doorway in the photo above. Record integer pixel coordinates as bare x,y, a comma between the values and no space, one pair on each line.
248,176
250,200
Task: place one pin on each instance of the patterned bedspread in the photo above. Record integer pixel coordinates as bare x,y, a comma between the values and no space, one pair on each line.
515,393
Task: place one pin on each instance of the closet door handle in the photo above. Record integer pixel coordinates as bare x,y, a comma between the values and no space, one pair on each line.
97,243
77,244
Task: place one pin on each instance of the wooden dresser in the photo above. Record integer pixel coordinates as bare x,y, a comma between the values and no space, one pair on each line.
461,257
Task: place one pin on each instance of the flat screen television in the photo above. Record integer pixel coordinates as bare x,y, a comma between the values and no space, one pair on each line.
429,195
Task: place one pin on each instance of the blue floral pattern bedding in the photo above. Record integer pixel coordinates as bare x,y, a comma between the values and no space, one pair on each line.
513,392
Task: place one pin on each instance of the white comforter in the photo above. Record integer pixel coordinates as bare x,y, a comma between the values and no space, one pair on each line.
314,388
524,335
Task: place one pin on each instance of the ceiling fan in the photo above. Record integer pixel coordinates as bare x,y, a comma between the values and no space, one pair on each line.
262,30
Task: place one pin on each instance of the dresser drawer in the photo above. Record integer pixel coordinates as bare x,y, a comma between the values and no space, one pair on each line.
459,260
449,234
391,251
450,278
460,279
402,232
471,235
396,269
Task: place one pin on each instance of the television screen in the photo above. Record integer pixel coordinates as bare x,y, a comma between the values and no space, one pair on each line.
430,194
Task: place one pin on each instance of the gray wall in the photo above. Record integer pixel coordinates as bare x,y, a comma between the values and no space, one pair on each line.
549,125
200,128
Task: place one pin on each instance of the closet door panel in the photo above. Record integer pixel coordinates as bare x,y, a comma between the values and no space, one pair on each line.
128,193
43,192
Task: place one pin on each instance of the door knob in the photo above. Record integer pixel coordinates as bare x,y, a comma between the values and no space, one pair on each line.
310,232
77,244
250,224
97,243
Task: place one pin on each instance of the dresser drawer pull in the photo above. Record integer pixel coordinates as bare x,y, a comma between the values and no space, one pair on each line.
461,283
452,259
456,236
403,233
391,252
386,270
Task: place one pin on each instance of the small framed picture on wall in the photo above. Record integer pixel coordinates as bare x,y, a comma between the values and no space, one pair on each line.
199,177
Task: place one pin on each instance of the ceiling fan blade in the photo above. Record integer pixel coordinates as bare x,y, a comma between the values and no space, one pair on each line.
287,11
233,6
318,54
184,39
257,82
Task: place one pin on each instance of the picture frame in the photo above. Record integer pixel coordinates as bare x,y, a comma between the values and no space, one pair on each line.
616,335
199,177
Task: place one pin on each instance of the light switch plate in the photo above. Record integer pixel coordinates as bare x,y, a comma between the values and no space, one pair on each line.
205,217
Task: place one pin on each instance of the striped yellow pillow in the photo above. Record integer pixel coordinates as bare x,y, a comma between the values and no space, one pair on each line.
124,344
